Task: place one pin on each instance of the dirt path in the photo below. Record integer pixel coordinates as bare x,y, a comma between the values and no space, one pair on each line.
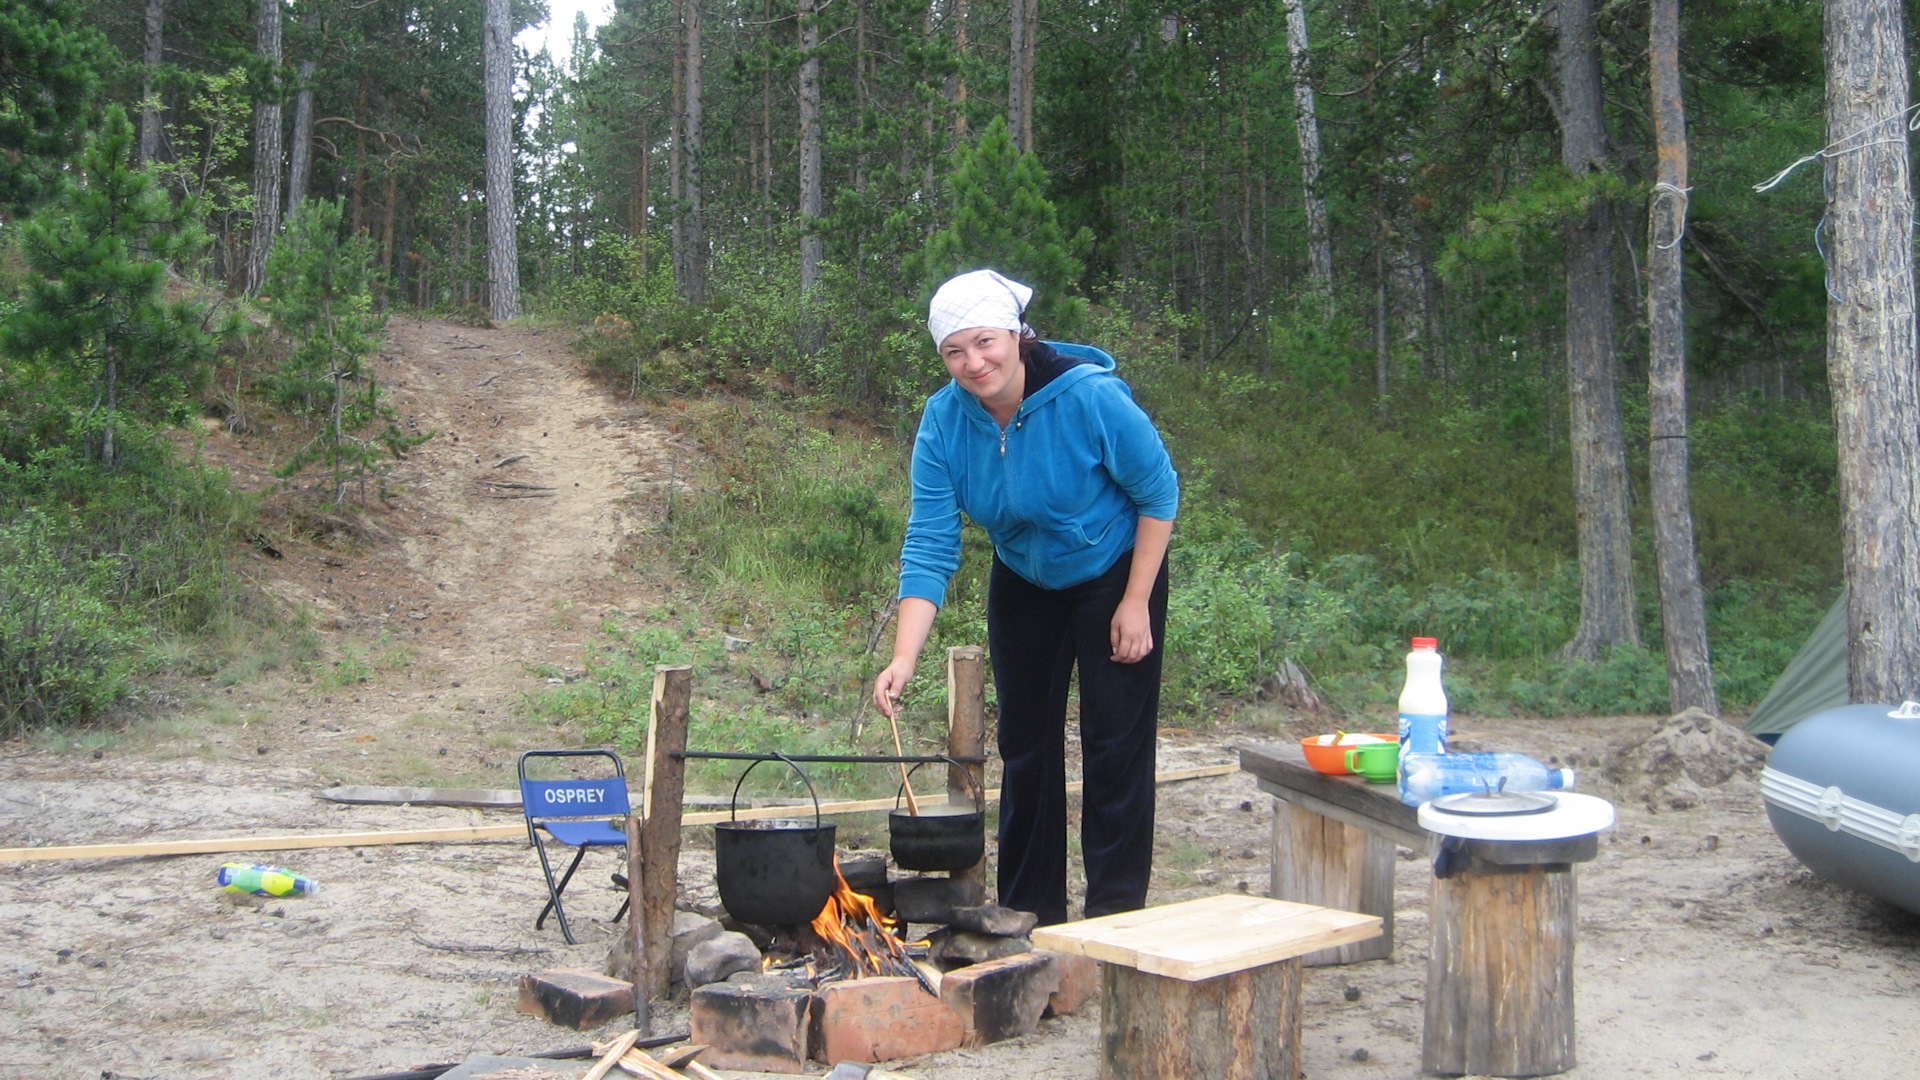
1704,949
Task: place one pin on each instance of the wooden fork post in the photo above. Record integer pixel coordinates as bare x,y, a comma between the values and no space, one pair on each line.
656,879
967,735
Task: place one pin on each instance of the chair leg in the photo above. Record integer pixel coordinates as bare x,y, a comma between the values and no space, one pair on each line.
554,891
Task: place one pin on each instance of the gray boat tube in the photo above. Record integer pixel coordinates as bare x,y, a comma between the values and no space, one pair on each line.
1842,789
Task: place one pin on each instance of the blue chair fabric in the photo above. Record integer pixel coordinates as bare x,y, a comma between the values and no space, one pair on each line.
576,813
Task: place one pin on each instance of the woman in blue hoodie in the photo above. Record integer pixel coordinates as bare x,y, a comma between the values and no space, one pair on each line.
1042,445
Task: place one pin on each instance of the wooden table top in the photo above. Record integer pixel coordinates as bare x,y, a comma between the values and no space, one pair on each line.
1206,938
1283,768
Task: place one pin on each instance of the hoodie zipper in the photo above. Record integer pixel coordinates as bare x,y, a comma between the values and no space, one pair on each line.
1010,425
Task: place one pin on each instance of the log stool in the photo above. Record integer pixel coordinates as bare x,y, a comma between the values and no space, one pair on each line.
1207,988
1500,971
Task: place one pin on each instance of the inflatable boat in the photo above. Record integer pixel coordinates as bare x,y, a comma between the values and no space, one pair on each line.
1842,789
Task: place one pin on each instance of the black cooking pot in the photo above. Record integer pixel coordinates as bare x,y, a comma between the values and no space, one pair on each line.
776,872
944,837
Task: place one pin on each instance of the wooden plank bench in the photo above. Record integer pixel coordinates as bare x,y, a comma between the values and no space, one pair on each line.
1333,842
1206,988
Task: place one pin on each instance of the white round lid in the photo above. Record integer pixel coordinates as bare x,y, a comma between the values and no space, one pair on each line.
1575,815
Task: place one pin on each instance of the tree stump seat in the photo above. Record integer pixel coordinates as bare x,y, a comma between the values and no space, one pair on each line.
1206,988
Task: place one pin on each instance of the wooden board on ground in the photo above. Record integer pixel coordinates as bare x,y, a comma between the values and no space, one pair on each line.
456,834
1213,936
485,798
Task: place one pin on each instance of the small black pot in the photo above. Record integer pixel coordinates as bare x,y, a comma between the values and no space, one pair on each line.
945,837
775,872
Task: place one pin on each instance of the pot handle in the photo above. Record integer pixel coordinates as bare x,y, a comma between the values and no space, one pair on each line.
733,809
980,793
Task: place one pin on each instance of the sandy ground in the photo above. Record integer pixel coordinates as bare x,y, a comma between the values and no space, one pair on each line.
1704,949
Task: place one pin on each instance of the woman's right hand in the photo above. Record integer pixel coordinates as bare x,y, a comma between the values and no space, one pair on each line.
890,684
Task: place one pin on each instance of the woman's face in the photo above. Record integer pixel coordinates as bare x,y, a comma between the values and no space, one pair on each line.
986,362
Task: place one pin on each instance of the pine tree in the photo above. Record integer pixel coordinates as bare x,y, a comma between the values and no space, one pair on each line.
318,290
92,313
50,67
1003,219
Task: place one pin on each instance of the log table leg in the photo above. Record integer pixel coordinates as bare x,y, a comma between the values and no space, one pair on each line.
1317,860
1500,972
1242,1026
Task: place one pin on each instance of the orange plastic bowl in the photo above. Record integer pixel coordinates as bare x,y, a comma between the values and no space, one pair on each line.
1331,758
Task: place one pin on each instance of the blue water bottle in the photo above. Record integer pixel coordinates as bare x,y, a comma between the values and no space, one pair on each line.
1423,709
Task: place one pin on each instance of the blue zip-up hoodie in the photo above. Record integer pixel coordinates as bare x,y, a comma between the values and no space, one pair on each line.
1058,490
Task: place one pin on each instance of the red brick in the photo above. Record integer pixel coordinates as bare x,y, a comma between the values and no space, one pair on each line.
752,1027
881,1019
1079,978
1001,999
575,997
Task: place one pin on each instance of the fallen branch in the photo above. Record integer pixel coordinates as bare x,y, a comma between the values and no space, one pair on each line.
528,495
518,485
503,950
490,378
509,460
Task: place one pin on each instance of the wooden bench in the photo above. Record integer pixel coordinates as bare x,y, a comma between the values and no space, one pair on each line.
1333,842
1206,988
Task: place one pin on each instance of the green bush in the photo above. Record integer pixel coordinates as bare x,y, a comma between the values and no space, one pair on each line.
65,652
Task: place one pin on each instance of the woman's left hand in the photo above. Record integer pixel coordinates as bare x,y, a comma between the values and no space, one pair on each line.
1131,632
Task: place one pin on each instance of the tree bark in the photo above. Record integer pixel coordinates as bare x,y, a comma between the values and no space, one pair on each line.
813,246
156,18
1017,88
693,287
1871,354
266,148
676,176
1598,442
1027,64
1683,617
300,169
503,247
1306,124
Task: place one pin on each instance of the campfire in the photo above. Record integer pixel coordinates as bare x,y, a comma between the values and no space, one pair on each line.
857,941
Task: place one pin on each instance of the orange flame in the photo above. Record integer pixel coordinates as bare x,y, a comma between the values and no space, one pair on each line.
852,924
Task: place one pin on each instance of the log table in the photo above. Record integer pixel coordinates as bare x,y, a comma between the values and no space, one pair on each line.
1333,842
1500,970
1206,988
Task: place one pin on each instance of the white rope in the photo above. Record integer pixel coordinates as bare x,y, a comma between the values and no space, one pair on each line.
1664,190
1838,146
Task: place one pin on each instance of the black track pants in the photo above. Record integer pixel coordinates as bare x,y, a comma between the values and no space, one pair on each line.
1036,635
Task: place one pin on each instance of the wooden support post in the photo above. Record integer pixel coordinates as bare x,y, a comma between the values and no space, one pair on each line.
636,903
1328,863
1500,973
967,735
659,875
1240,1026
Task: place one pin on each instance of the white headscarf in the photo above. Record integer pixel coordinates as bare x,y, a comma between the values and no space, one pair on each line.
977,298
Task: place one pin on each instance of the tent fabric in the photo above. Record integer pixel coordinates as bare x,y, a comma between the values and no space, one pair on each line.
1814,682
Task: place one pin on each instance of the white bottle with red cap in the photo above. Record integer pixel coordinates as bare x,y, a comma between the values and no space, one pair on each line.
1423,709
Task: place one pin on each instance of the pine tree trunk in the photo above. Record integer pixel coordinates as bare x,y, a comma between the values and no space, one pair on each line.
1683,617
1871,354
693,286
1028,59
266,149
1017,89
503,246
676,176
959,78
156,18
1306,123
1599,445
813,246
300,170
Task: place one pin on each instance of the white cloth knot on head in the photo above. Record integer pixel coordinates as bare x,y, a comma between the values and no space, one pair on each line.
977,298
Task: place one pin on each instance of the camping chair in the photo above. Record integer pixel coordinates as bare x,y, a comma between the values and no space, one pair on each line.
574,813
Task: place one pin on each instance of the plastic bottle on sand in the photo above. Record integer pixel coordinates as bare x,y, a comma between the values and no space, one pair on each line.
265,880
1425,777
1423,709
